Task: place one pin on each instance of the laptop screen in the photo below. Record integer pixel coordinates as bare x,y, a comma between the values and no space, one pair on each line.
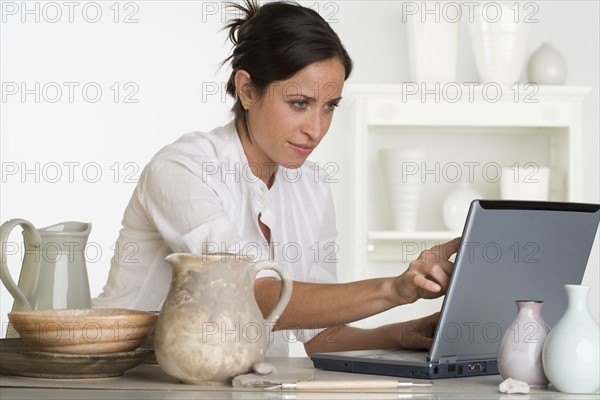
511,250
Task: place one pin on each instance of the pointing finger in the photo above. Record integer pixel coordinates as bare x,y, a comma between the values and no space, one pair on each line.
445,250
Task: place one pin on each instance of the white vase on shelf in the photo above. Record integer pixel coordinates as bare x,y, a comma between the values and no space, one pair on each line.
456,206
404,187
499,43
547,66
432,49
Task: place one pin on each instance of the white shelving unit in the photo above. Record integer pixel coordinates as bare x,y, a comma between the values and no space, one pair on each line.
480,132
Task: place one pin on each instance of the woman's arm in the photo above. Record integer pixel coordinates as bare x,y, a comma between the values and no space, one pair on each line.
321,305
413,335
315,305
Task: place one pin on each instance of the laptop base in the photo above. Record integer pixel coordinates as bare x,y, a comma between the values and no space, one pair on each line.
331,362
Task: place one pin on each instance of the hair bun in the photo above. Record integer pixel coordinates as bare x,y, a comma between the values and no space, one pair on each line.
247,11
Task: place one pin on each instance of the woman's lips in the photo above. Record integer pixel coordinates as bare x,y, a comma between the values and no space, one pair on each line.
303,149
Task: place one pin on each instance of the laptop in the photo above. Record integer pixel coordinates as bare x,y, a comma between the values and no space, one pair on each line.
510,250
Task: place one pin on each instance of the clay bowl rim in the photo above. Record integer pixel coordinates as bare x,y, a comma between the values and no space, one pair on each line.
103,318
36,329
64,314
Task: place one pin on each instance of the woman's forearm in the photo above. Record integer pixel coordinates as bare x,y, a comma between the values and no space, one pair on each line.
315,305
347,338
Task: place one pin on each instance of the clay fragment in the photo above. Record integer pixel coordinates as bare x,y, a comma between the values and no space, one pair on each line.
511,386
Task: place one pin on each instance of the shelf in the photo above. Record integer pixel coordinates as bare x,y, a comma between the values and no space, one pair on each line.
467,141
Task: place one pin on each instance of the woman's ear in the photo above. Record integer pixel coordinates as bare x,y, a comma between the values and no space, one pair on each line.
244,88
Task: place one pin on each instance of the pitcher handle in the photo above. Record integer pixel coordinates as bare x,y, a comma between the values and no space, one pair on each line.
286,287
32,240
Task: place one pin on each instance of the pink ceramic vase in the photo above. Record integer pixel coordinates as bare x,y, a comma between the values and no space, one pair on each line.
520,353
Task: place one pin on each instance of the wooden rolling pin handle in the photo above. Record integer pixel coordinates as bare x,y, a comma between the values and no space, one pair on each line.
346,385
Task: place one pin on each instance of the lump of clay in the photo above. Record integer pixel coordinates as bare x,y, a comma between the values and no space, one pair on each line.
511,386
264,368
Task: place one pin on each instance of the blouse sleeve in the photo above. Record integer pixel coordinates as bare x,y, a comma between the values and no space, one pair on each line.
184,208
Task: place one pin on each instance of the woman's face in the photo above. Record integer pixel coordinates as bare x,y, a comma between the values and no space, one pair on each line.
290,118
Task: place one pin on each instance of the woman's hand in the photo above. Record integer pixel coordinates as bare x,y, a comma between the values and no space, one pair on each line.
412,335
427,277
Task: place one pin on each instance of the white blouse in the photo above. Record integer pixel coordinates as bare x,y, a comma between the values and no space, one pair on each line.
199,195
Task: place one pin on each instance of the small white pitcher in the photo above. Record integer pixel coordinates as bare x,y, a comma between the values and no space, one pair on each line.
54,273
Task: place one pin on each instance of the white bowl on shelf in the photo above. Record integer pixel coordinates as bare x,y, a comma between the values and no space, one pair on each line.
456,207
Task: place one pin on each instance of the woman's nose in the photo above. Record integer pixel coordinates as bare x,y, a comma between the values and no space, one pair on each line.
313,126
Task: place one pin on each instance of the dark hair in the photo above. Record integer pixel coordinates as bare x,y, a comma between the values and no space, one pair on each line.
274,41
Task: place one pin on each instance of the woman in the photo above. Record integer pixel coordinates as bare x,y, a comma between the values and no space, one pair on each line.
247,188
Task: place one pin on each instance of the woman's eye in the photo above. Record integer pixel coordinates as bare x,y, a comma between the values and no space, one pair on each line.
332,106
299,104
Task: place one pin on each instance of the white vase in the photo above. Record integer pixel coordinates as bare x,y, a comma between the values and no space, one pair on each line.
547,66
402,174
520,353
456,207
432,49
570,354
499,43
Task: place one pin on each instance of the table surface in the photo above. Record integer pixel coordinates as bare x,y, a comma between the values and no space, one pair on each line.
148,382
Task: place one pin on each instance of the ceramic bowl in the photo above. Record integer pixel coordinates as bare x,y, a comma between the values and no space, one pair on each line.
83,331
18,359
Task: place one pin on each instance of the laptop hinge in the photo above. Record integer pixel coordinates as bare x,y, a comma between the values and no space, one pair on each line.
448,359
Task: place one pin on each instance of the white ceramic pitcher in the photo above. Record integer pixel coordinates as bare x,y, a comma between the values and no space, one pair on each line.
54,273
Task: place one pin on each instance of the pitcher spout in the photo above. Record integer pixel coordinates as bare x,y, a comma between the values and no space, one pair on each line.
175,258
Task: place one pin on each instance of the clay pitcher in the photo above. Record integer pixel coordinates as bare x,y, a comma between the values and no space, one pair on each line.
210,328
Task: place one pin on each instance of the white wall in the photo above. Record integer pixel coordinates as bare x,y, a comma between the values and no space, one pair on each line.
166,58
